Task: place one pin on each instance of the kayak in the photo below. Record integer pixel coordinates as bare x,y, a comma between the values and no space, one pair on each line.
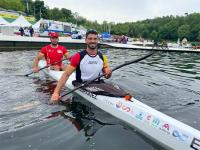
160,128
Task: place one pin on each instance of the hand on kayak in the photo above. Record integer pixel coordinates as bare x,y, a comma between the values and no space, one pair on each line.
107,72
55,98
35,69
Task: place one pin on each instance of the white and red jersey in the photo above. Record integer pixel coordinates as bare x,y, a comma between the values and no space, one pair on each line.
54,54
88,67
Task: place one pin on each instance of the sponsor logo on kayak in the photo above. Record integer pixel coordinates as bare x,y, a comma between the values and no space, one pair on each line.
126,108
195,144
123,107
155,122
140,116
94,89
88,93
148,118
118,104
179,135
165,128
109,103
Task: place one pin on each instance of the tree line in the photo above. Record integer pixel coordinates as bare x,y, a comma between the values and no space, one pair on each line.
160,28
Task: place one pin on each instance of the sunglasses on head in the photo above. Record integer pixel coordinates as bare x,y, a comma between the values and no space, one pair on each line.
91,31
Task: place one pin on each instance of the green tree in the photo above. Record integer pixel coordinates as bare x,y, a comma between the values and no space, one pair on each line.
154,35
194,32
184,31
198,38
40,11
12,5
166,28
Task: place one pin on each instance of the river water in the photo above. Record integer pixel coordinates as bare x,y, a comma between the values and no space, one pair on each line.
168,82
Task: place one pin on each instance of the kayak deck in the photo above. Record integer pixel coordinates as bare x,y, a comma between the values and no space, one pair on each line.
164,130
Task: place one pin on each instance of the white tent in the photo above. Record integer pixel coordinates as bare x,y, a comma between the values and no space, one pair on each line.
37,24
20,22
3,22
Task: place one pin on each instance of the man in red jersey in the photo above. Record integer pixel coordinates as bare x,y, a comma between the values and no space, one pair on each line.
88,64
53,53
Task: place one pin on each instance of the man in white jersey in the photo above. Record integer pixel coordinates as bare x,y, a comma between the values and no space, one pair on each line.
89,64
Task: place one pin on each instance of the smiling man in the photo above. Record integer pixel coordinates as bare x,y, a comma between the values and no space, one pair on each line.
53,53
88,64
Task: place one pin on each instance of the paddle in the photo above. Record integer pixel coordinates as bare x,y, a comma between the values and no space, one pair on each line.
117,67
45,67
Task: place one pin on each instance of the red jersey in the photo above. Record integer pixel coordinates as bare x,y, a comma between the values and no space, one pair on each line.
52,54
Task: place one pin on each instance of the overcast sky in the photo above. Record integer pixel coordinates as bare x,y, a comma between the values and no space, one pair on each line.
126,10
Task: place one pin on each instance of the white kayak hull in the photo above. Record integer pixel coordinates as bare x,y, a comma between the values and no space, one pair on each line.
164,130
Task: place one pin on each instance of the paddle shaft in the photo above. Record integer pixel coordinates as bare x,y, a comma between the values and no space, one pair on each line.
46,66
117,67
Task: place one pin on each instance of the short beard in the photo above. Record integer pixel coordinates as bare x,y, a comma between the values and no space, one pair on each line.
92,48
54,44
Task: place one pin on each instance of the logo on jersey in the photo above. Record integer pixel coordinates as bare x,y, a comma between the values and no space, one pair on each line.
59,51
92,62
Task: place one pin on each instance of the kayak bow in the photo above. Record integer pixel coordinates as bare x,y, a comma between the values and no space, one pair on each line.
164,130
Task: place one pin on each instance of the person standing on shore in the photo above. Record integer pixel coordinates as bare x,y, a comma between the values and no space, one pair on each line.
88,64
31,31
53,53
21,30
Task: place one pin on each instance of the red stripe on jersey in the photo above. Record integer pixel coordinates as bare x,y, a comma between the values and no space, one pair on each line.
75,60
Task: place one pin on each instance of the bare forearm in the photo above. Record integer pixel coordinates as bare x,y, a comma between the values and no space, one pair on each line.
61,83
36,61
68,71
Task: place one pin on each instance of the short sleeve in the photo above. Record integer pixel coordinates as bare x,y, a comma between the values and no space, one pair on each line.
43,50
64,50
75,60
105,60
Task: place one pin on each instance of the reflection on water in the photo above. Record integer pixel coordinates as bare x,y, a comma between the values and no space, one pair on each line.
80,116
168,82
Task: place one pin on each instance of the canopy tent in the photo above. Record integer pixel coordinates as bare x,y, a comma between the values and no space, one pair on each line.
3,22
20,22
37,24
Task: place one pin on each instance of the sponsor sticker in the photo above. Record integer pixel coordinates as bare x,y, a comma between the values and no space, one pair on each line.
119,104
126,108
165,128
109,102
148,118
94,89
88,93
155,122
123,107
179,135
140,116
195,144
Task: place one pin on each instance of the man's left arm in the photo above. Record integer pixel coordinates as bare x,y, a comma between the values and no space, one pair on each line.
66,53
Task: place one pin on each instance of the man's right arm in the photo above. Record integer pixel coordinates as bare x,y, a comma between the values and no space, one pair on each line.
36,61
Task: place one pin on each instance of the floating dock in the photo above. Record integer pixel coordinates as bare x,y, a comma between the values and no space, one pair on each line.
158,48
23,42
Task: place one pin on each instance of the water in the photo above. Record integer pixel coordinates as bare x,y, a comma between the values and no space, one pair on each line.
168,82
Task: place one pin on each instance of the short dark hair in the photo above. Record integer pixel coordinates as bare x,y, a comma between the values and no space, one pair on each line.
91,31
